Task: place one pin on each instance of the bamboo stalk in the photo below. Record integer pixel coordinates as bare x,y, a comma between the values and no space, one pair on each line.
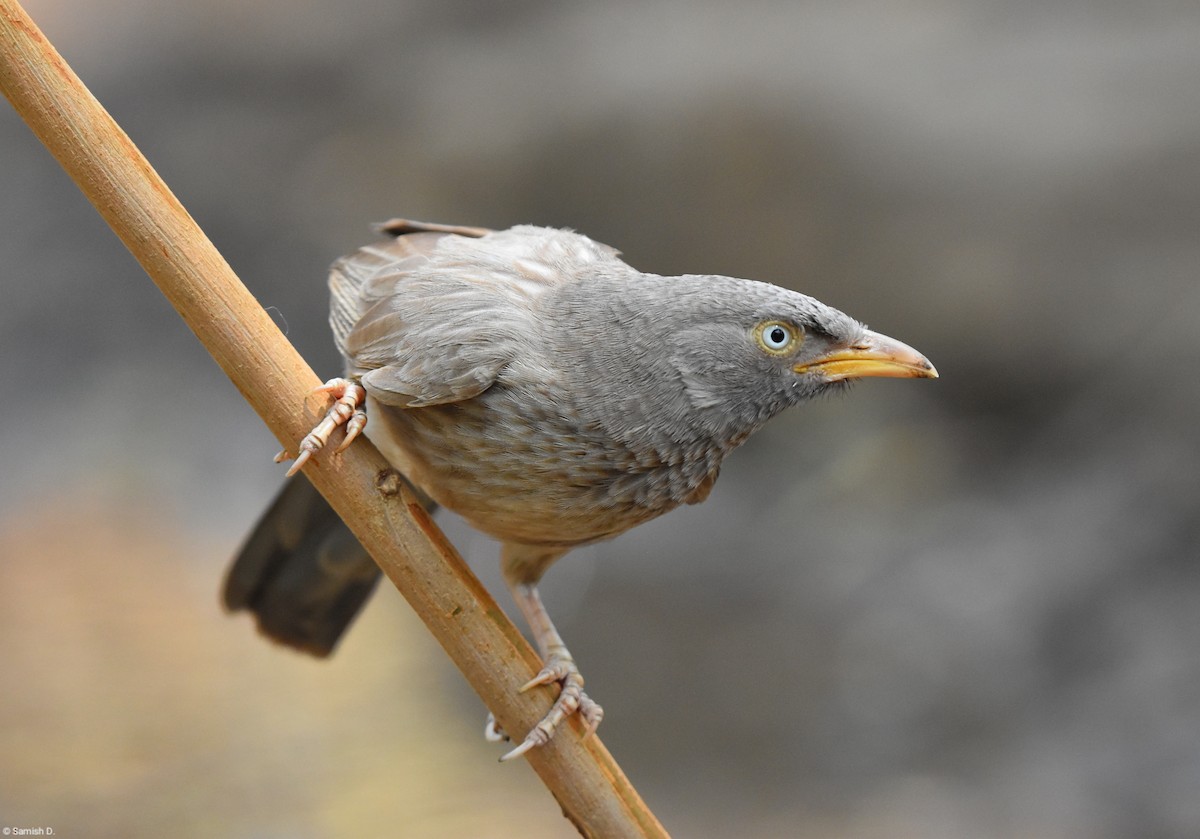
593,792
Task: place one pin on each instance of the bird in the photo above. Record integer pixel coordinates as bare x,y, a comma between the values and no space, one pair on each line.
553,396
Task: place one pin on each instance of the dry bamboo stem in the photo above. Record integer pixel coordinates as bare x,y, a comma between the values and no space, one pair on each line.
275,380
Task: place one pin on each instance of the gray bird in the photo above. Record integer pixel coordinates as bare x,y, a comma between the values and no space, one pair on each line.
551,395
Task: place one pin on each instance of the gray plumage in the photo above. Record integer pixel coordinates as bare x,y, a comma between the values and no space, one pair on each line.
536,384
592,396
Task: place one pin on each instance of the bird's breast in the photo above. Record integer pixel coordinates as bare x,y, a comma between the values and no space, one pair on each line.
530,468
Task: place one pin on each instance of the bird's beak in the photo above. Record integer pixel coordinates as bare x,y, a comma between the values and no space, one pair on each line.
873,355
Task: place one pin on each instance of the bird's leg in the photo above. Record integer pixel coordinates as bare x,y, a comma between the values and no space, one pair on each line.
558,667
349,396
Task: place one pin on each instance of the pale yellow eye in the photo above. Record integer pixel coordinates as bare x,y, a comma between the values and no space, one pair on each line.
777,337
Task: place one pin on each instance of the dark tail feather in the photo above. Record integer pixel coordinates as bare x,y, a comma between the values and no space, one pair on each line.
301,572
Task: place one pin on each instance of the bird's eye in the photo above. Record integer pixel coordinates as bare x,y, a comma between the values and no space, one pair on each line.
777,337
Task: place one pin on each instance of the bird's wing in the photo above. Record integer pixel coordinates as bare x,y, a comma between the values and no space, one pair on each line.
435,315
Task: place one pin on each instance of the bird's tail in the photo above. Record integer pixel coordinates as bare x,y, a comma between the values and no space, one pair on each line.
301,572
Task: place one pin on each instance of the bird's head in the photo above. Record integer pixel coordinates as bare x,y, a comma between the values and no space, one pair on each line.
753,349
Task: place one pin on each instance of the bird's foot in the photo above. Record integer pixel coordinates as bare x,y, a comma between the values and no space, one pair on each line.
560,668
346,410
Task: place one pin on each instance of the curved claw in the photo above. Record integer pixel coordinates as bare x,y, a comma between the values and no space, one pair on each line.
354,427
551,673
591,713
492,732
528,744
301,459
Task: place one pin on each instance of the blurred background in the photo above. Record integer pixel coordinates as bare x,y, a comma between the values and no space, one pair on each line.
968,607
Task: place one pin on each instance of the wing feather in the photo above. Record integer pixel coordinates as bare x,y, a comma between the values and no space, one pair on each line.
437,314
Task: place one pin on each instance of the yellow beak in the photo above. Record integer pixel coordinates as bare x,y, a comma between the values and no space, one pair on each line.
875,355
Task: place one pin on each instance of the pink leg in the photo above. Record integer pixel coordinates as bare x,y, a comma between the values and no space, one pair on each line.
346,410
559,667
